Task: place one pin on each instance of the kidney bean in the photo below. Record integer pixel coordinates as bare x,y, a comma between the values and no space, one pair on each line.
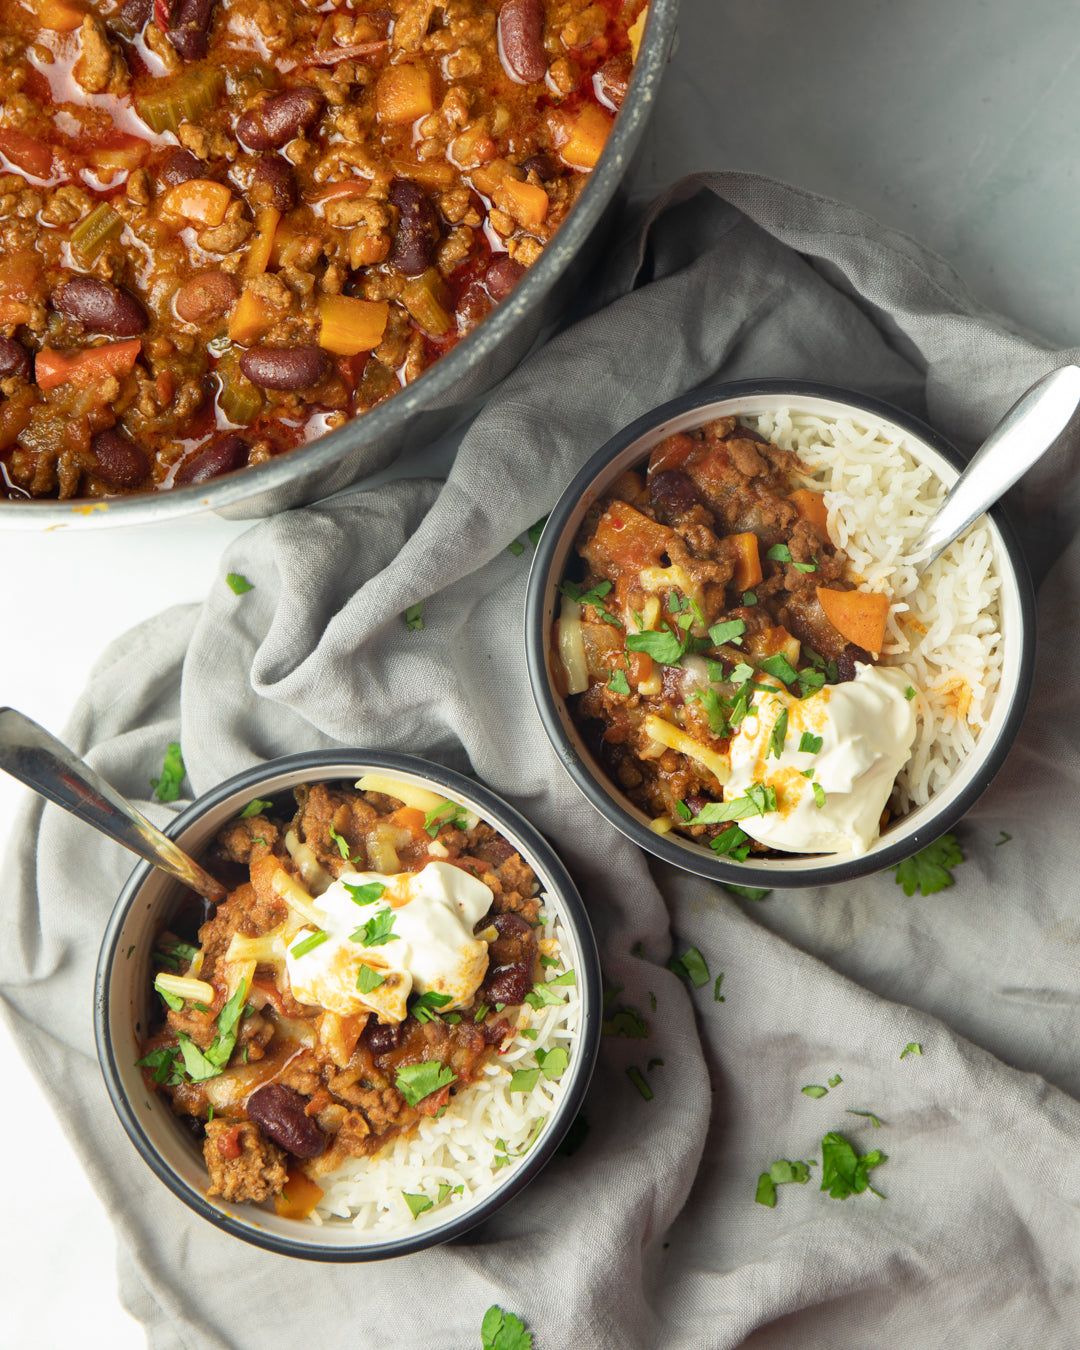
281,118
672,492
845,662
180,167
502,275
14,359
273,183
613,78
285,367
413,249
381,1039
543,166
220,456
511,958
101,307
134,13
279,1113
189,29
206,298
117,460
521,40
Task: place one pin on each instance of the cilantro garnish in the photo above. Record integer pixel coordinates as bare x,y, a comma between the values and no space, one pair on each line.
167,787
912,1048
717,995
414,617
238,584
815,1090
749,598
819,795
535,530
835,1081
425,1007
714,669
418,1204
450,813
308,944
366,894
567,977
741,673
810,681
524,1080
376,931
553,1063
368,980
732,843
593,597
909,693
779,553
445,1190
928,870
619,684
516,547
661,644
731,630
869,1116
747,892
1003,839
417,1081
684,811
779,735
780,668
714,709
481,1012
342,844
691,966
503,1331
542,995
254,808
757,800
780,1173
625,1022
805,567
843,1171
637,1078
173,1001
162,1063
809,745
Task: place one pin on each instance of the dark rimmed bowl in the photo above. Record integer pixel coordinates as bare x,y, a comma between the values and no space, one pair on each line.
123,995
904,836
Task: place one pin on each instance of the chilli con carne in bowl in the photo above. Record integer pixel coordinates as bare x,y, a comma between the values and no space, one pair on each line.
228,228
379,1036
737,662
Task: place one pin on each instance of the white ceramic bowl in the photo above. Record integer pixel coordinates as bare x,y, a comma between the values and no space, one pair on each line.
123,1010
628,449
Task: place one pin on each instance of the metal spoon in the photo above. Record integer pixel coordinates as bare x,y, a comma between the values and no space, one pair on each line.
1022,437
29,753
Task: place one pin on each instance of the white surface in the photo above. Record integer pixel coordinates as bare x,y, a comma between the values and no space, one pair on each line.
958,123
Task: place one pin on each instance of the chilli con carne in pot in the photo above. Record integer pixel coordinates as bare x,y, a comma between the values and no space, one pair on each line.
228,227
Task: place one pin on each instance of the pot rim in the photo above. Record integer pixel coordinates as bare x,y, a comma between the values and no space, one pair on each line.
323,764
590,781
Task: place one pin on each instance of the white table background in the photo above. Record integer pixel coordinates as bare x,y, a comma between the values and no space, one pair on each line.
957,121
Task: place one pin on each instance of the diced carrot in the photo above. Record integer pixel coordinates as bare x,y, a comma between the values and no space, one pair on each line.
858,616
486,178
26,152
474,146
630,539
351,325
53,368
409,818
672,452
199,199
128,154
14,311
60,16
19,274
641,666
527,203
14,419
298,1196
259,250
747,560
250,319
634,32
811,507
584,137
404,93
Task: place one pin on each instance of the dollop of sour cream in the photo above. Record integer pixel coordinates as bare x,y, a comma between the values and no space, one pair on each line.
431,947
867,727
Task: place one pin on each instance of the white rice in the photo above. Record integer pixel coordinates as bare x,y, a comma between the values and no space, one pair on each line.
944,627
480,1140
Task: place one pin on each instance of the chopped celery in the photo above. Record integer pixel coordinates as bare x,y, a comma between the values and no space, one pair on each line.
425,298
238,398
185,98
92,233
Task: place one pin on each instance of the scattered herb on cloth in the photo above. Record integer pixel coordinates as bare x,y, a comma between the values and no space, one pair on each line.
928,870
843,1171
503,1331
167,787
238,583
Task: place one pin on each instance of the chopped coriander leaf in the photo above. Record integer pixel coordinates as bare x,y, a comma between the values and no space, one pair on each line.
414,617
376,931
684,811
810,681
755,801
427,1004
692,966
749,598
524,1080
228,1017
869,1116
710,701
445,1189
843,1171
715,669
912,1048
610,995
619,684
593,597
535,530
819,795
308,944
366,894
809,744
928,870
675,602
541,995
342,844
779,735
805,567
732,843
368,980
741,673
503,1331
567,977
450,813
661,644
731,630
815,1090
481,1012
909,693
747,892
417,1081
625,1022
167,787
255,808
173,1001
782,1172
636,1077
779,667
717,995
530,1033
551,962
238,584
835,1081
516,547
258,839
1004,839
417,1203
553,1063
779,553
162,1062
766,1191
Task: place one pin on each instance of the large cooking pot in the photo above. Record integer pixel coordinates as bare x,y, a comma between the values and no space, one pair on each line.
446,394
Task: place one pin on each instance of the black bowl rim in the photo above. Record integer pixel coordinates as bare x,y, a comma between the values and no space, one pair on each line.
695,859
305,461
590,987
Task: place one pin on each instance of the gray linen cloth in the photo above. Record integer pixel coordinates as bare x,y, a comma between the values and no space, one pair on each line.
648,1236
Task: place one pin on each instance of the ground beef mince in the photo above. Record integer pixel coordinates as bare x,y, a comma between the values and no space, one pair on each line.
281,1091
696,579
227,226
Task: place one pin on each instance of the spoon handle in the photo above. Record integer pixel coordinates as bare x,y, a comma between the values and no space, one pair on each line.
29,753
1022,436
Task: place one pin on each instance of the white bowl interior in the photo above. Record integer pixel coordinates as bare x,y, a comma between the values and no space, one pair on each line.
130,1016
917,825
